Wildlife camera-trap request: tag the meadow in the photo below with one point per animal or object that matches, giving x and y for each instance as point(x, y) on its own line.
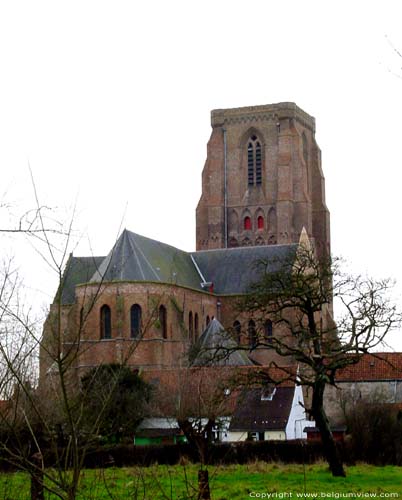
point(234, 482)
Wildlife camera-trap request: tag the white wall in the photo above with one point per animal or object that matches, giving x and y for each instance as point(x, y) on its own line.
point(297, 418)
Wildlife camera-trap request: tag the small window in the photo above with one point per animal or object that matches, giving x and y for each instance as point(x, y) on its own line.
point(260, 222)
point(252, 334)
point(237, 330)
point(196, 326)
point(135, 321)
point(163, 321)
point(105, 322)
point(190, 326)
point(247, 223)
point(268, 331)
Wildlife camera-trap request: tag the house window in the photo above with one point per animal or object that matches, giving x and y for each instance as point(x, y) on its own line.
point(268, 331)
point(163, 321)
point(252, 334)
point(196, 327)
point(190, 326)
point(254, 161)
point(237, 330)
point(135, 321)
point(260, 222)
point(105, 322)
point(247, 223)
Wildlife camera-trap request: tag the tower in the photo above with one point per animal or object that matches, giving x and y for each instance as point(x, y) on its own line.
point(262, 181)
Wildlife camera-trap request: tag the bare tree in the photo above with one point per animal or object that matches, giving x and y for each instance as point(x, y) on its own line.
point(49, 419)
point(291, 307)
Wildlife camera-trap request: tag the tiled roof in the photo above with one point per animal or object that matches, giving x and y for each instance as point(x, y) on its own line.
point(257, 413)
point(378, 366)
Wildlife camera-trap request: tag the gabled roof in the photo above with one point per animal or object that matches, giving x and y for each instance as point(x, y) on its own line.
point(255, 413)
point(137, 258)
point(216, 347)
point(377, 366)
point(234, 270)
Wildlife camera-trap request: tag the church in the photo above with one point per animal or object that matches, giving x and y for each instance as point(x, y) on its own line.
point(146, 302)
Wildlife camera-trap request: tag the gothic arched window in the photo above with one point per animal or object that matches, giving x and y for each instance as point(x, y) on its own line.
point(196, 327)
point(237, 330)
point(254, 161)
point(135, 321)
point(268, 331)
point(260, 222)
point(163, 321)
point(247, 223)
point(252, 334)
point(105, 322)
point(190, 326)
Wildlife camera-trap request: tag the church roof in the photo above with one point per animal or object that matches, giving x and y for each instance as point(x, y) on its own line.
point(233, 270)
point(216, 347)
point(78, 270)
point(137, 258)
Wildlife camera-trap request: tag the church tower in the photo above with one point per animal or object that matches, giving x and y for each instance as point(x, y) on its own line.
point(262, 181)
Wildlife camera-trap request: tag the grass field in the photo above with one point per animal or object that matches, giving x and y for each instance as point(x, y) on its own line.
point(258, 480)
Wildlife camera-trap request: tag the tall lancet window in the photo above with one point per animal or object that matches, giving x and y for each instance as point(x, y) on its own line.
point(254, 161)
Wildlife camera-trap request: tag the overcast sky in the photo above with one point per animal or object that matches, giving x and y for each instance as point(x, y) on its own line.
point(109, 102)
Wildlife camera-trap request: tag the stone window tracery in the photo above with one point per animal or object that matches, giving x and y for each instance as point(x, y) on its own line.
point(254, 161)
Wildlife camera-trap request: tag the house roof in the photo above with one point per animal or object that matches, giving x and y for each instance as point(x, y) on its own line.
point(225, 268)
point(378, 366)
point(254, 413)
point(216, 347)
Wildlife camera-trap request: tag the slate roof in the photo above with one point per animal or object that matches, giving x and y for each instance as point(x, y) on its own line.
point(233, 270)
point(137, 258)
point(382, 366)
point(78, 270)
point(254, 414)
point(216, 347)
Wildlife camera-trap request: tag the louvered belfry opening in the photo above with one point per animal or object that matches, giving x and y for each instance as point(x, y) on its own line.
point(254, 161)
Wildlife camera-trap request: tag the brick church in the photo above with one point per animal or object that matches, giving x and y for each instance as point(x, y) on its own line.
point(146, 302)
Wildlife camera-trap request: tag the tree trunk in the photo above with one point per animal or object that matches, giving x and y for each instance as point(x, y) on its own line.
point(328, 442)
point(203, 485)
point(37, 492)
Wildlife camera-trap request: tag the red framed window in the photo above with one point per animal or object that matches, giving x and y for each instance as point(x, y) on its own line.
point(247, 223)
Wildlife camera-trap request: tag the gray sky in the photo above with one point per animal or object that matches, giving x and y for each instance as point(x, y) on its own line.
point(109, 102)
